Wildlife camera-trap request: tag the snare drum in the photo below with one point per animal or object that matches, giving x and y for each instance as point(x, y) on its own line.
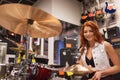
point(39, 73)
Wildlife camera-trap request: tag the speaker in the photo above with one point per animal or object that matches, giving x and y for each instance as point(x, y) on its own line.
point(58, 45)
point(116, 44)
point(113, 32)
point(67, 56)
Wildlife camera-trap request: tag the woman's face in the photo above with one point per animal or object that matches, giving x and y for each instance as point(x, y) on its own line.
point(88, 33)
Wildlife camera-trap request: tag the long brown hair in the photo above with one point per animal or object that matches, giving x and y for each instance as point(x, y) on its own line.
point(97, 35)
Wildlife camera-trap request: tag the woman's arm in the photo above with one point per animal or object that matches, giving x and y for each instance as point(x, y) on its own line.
point(113, 56)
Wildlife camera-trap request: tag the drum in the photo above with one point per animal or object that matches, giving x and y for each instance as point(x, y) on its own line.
point(39, 73)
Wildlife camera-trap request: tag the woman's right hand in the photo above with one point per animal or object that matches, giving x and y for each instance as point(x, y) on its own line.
point(91, 69)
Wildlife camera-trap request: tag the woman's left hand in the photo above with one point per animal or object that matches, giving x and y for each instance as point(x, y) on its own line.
point(97, 75)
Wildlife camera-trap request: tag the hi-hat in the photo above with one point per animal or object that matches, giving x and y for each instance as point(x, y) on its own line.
point(17, 49)
point(21, 49)
point(24, 19)
point(17, 44)
point(79, 69)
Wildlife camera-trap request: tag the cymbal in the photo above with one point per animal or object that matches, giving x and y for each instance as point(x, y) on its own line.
point(17, 49)
point(79, 69)
point(17, 44)
point(21, 49)
point(24, 19)
point(31, 52)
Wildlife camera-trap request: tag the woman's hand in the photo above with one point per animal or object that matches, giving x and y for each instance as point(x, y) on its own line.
point(97, 75)
point(91, 69)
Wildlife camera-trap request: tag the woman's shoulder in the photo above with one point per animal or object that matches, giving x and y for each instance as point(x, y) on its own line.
point(106, 43)
point(108, 46)
point(103, 43)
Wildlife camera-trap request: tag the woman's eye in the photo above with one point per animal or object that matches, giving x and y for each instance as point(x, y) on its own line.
point(85, 31)
point(88, 31)
point(91, 31)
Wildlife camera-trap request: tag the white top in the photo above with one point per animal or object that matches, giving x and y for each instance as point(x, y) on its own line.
point(100, 57)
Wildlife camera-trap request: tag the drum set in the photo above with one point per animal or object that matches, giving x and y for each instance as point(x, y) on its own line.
point(37, 68)
point(29, 21)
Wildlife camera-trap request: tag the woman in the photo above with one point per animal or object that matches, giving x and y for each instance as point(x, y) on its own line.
point(97, 53)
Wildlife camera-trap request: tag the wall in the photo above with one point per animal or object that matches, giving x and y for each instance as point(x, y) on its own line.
point(66, 10)
point(117, 15)
point(45, 5)
point(117, 3)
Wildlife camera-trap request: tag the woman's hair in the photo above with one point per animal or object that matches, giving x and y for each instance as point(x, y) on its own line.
point(97, 35)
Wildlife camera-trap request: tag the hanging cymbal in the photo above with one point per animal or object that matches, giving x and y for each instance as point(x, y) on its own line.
point(17, 49)
point(31, 52)
point(23, 19)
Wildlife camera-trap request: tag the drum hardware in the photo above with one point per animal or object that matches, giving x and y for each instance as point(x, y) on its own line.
point(34, 71)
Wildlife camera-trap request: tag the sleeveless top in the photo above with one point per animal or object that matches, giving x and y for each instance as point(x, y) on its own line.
point(99, 55)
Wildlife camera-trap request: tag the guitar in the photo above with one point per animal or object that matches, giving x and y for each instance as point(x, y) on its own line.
point(83, 15)
point(83, 18)
point(99, 14)
point(91, 16)
point(110, 8)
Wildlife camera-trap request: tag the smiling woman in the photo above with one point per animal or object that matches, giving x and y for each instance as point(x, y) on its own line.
point(98, 54)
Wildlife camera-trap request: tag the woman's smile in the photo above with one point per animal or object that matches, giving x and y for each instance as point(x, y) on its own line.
point(88, 33)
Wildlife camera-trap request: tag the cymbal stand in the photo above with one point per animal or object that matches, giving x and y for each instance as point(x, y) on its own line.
point(19, 71)
point(26, 62)
point(27, 45)
point(22, 67)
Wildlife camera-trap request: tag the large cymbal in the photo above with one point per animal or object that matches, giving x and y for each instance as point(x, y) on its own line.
point(23, 19)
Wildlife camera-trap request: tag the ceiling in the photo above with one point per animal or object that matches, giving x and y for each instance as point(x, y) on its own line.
point(28, 2)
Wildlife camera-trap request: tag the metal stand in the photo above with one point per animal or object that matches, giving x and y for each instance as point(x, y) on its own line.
point(20, 70)
point(24, 65)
